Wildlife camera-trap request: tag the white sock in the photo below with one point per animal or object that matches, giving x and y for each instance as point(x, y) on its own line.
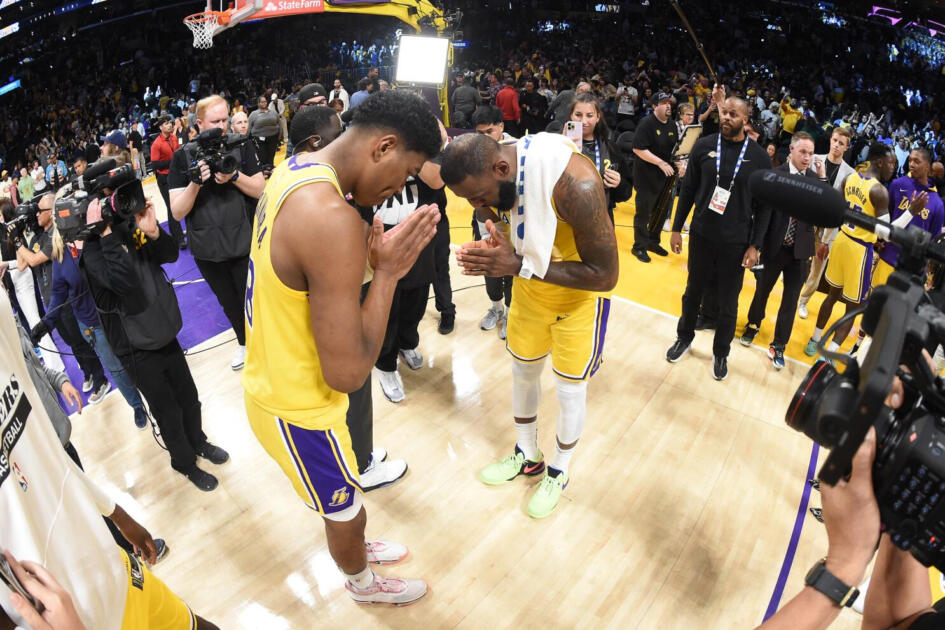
point(818, 333)
point(832, 346)
point(528, 440)
point(498, 305)
point(363, 579)
point(562, 458)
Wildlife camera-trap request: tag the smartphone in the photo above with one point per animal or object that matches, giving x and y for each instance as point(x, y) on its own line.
point(8, 577)
point(573, 131)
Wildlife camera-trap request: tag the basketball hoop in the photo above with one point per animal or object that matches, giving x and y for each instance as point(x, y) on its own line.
point(204, 24)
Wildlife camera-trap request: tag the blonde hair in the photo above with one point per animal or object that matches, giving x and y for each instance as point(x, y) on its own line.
point(686, 108)
point(205, 103)
point(58, 245)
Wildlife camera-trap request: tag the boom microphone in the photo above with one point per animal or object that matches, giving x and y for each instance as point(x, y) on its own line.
point(810, 200)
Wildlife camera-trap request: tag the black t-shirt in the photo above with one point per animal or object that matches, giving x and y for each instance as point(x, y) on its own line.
point(660, 139)
point(42, 244)
point(832, 170)
point(711, 123)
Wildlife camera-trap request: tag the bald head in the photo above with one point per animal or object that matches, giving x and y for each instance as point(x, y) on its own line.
point(740, 104)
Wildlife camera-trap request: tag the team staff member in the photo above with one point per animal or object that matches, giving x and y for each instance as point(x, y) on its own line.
point(906, 196)
point(787, 246)
point(836, 170)
point(850, 265)
point(162, 150)
point(653, 144)
point(52, 512)
point(723, 234)
point(304, 312)
point(218, 227)
point(559, 310)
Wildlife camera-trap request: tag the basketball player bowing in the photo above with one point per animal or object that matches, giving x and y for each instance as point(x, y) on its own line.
point(563, 255)
point(309, 338)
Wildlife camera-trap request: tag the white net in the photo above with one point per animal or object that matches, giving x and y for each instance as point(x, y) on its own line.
point(202, 25)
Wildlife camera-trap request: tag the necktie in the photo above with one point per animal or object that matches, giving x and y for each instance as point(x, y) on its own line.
point(791, 229)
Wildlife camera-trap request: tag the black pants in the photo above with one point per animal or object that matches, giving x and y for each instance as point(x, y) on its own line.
point(112, 528)
point(709, 310)
point(227, 280)
point(172, 224)
point(645, 202)
point(360, 420)
point(406, 311)
point(163, 378)
point(496, 288)
point(784, 262)
point(85, 356)
point(727, 257)
point(442, 289)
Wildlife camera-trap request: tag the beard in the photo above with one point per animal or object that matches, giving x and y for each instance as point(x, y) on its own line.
point(507, 195)
point(731, 130)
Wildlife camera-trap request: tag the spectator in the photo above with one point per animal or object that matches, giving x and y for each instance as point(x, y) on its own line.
point(264, 130)
point(507, 101)
point(463, 102)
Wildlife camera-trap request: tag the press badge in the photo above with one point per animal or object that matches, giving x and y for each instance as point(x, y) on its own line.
point(719, 200)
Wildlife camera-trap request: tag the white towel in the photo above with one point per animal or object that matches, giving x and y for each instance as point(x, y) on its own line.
point(542, 157)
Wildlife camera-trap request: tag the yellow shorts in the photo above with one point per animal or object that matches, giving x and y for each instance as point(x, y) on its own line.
point(850, 267)
point(573, 333)
point(319, 462)
point(150, 605)
point(881, 273)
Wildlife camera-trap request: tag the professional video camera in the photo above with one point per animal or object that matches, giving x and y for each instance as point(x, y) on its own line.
point(24, 218)
point(213, 147)
point(119, 190)
point(836, 409)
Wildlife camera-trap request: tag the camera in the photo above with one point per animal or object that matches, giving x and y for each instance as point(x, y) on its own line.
point(120, 192)
point(836, 409)
point(213, 146)
point(24, 218)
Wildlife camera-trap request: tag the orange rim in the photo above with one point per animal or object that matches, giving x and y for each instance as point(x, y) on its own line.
point(221, 17)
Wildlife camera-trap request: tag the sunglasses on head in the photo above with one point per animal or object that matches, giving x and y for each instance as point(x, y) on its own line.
point(321, 100)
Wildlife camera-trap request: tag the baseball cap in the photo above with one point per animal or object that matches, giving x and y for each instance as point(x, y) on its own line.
point(312, 90)
point(659, 97)
point(118, 139)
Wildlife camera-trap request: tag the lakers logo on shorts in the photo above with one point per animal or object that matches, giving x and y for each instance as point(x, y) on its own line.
point(339, 497)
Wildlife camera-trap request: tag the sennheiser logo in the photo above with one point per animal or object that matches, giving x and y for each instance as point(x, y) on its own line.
point(770, 176)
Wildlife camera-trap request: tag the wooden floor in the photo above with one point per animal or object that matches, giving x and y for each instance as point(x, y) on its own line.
point(683, 495)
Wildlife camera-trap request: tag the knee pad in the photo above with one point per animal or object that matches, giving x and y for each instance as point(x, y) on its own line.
point(526, 388)
point(572, 409)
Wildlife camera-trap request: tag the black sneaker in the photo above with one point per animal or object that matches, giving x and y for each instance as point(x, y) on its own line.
point(659, 251)
point(213, 454)
point(749, 335)
point(704, 324)
point(641, 254)
point(202, 479)
point(677, 350)
point(447, 322)
point(720, 368)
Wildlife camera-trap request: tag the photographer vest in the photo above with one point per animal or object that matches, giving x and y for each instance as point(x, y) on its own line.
point(218, 227)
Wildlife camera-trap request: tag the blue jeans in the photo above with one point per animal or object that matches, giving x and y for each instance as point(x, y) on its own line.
point(96, 337)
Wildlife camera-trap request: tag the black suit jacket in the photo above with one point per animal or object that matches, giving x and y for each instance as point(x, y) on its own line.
point(773, 224)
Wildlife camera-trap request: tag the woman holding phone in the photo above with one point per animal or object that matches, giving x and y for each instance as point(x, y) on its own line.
point(596, 144)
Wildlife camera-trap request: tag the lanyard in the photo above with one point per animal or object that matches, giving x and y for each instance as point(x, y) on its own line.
point(597, 154)
point(718, 160)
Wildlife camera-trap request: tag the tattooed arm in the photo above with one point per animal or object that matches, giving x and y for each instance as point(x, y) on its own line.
point(580, 201)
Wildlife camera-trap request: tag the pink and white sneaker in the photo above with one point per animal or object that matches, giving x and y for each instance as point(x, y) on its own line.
point(384, 552)
point(388, 591)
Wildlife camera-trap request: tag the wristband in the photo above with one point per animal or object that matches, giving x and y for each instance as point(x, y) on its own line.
point(236, 176)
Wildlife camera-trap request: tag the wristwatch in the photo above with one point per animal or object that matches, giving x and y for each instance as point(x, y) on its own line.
point(822, 580)
point(236, 176)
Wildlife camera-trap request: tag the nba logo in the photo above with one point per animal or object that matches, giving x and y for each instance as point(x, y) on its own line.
point(339, 497)
point(20, 477)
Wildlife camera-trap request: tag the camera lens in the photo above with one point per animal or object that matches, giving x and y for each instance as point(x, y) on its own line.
point(821, 405)
point(227, 164)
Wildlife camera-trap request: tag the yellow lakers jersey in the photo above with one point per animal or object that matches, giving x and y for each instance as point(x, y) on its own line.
point(856, 191)
point(283, 373)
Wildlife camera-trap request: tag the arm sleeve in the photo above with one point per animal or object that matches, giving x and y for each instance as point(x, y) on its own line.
point(56, 378)
point(902, 220)
point(60, 291)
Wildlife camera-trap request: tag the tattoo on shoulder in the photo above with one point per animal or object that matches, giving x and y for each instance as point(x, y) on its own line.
point(581, 201)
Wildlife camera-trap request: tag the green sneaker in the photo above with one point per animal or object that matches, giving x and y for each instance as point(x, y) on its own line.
point(546, 497)
point(811, 348)
point(511, 467)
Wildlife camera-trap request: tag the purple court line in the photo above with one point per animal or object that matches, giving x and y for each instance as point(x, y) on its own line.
point(795, 536)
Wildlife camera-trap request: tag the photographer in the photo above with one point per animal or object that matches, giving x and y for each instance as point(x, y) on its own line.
point(218, 224)
point(36, 253)
point(899, 595)
point(141, 318)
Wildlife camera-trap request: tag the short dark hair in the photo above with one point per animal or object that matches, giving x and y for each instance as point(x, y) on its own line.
point(363, 83)
point(878, 150)
point(925, 153)
point(309, 122)
point(404, 113)
point(487, 115)
point(469, 154)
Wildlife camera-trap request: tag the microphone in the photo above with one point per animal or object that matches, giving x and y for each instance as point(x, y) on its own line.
point(93, 171)
point(809, 200)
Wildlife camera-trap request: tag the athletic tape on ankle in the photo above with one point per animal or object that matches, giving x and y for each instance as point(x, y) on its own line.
point(572, 409)
point(526, 388)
